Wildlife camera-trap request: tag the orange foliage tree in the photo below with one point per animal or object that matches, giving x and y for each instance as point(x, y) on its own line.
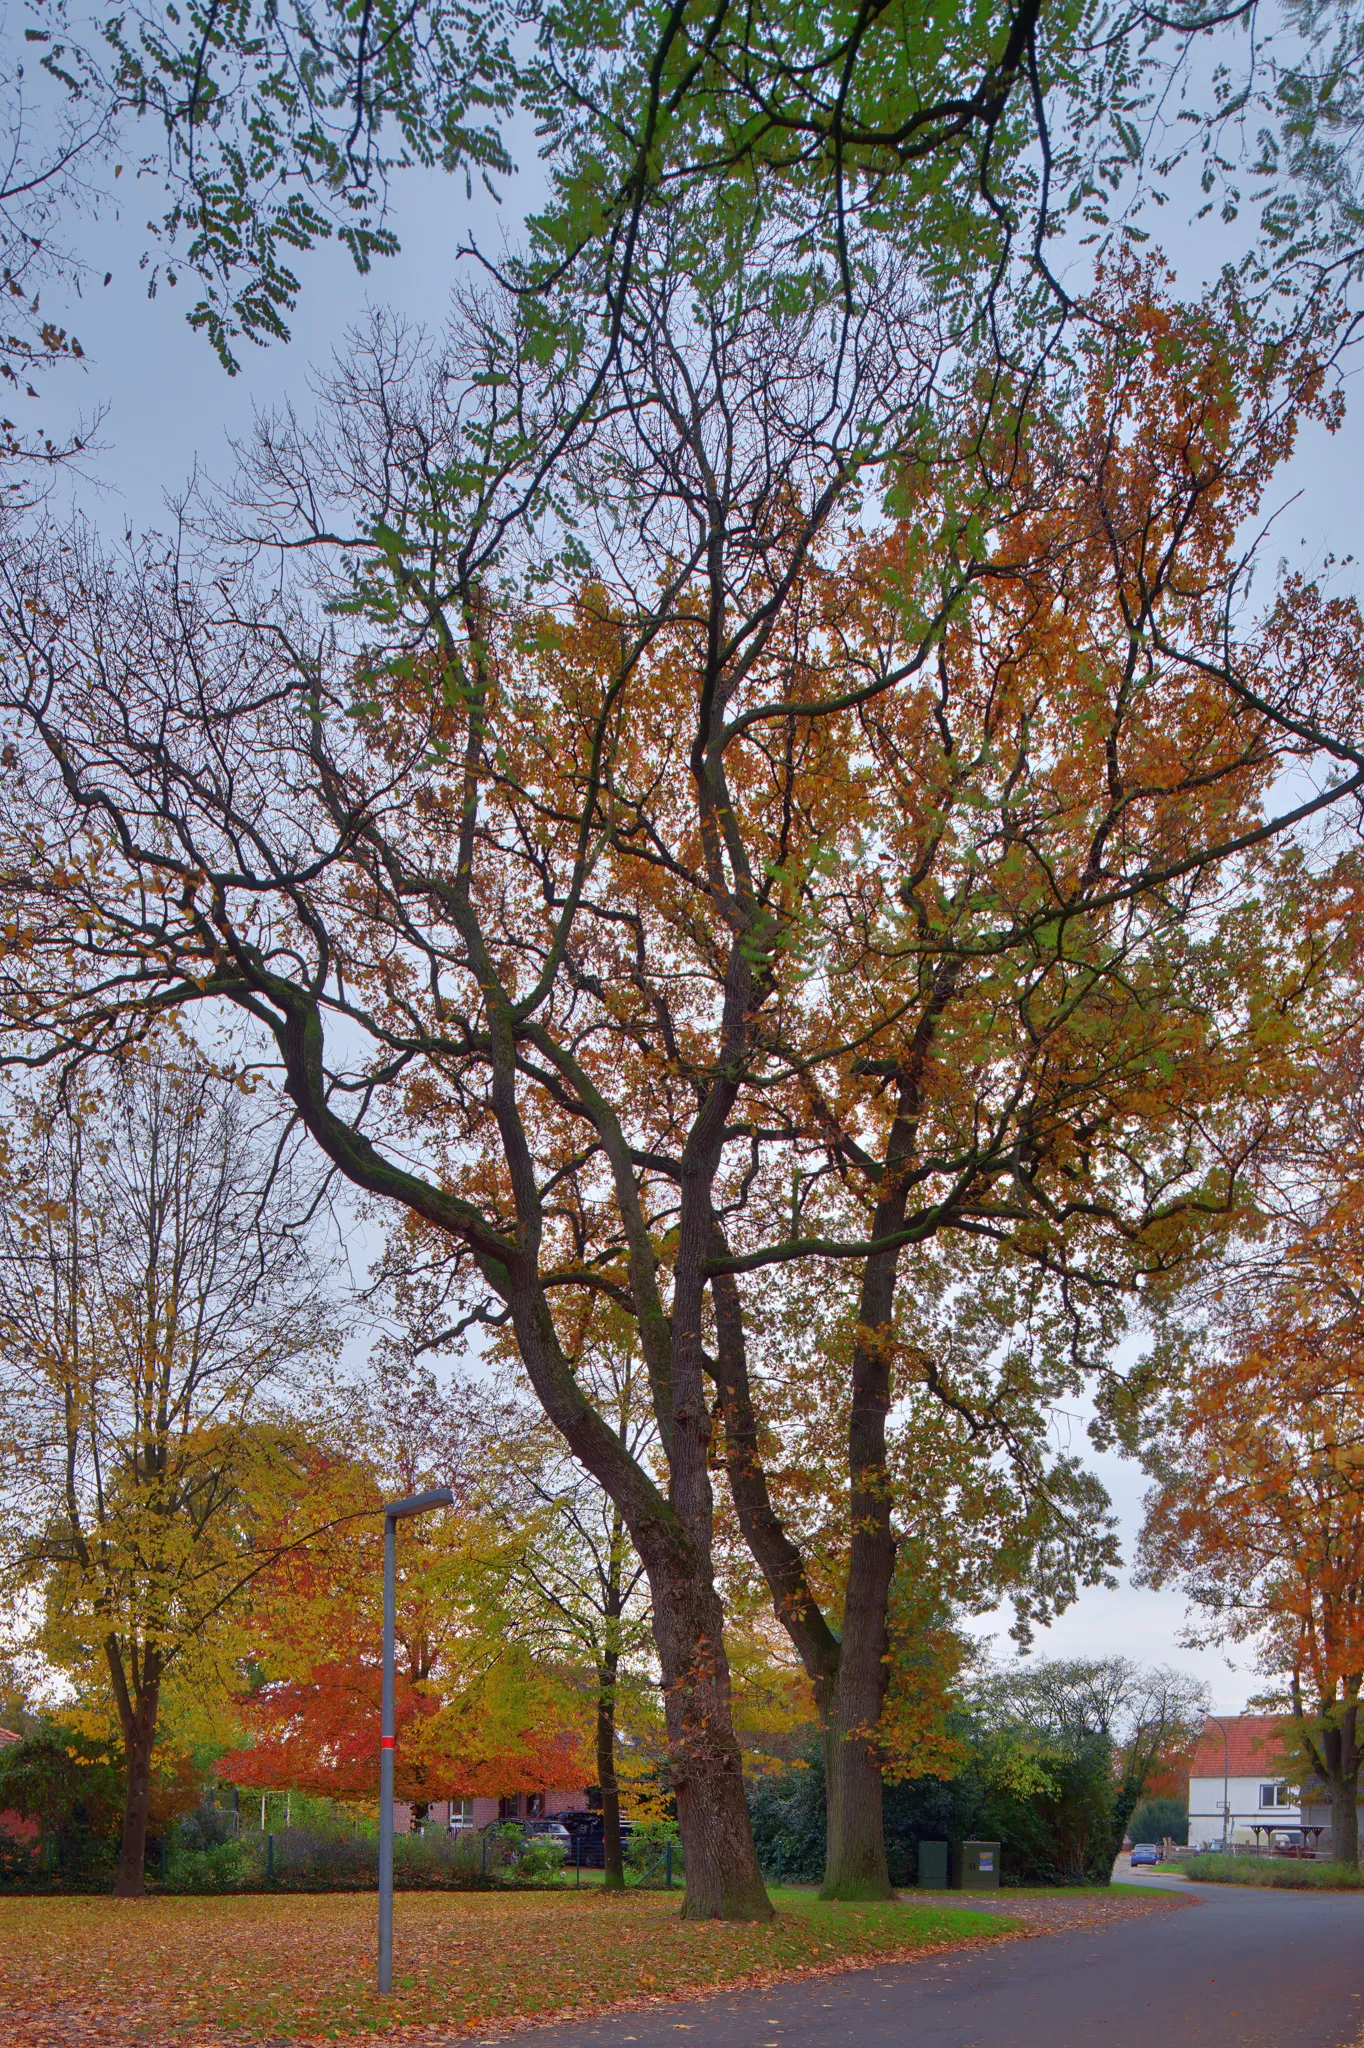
point(1258, 1503)
point(477, 1711)
point(508, 1728)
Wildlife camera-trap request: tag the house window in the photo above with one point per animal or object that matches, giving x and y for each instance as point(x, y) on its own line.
point(535, 1805)
point(461, 1813)
point(1275, 1795)
point(509, 1808)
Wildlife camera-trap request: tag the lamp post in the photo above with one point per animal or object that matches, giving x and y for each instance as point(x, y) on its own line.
point(1226, 1777)
point(396, 1511)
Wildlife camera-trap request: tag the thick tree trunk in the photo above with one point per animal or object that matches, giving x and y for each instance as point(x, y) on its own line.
point(139, 1740)
point(1340, 1753)
point(613, 1864)
point(1345, 1820)
point(723, 1878)
point(673, 1540)
point(724, 1881)
point(782, 1564)
point(855, 1859)
point(849, 1674)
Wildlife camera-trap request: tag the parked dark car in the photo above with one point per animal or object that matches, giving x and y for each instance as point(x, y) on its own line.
point(587, 1838)
point(1145, 1852)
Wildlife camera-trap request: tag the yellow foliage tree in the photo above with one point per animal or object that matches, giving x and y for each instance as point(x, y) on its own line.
point(155, 1304)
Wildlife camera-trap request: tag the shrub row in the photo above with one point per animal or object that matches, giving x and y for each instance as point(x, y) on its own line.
point(204, 1853)
point(1283, 1873)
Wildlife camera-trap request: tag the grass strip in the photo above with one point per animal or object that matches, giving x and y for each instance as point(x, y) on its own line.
point(1282, 1873)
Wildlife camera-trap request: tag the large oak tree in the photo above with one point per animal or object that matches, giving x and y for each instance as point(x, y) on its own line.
point(857, 792)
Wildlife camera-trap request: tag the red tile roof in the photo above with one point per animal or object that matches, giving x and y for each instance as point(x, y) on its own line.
point(1253, 1743)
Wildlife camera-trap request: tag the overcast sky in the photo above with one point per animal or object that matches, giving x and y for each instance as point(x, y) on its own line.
point(1133, 1620)
point(171, 408)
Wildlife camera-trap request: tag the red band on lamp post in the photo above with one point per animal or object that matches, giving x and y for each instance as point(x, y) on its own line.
point(385, 1742)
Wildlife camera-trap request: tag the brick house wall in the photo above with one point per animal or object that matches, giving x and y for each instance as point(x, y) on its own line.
point(517, 1806)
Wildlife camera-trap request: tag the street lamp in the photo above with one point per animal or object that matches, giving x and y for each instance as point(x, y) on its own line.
point(396, 1511)
point(1226, 1778)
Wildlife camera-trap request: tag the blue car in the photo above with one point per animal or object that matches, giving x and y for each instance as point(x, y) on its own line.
point(1145, 1852)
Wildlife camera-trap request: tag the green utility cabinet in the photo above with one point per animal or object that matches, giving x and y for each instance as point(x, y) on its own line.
point(933, 1866)
point(975, 1866)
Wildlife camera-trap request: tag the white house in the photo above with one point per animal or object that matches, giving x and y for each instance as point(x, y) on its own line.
point(1236, 1772)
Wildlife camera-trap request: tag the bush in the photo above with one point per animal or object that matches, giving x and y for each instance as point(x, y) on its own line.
point(1062, 1836)
point(71, 1784)
point(646, 1850)
point(334, 1856)
point(1154, 1819)
point(19, 1860)
point(325, 1857)
point(787, 1812)
point(541, 1861)
point(218, 1868)
point(205, 1852)
point(494, 1849)
point(1281, 1873)
point(321, 1857)
point(207, 1827)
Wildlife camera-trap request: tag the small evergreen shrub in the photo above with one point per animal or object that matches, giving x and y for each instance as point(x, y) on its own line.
point(540, 1862)
point(19, 1859)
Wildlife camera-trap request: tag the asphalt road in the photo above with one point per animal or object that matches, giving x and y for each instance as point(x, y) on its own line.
point(1235, 1969)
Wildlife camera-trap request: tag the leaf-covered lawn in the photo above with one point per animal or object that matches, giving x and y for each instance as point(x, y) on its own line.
point(79, 1972)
